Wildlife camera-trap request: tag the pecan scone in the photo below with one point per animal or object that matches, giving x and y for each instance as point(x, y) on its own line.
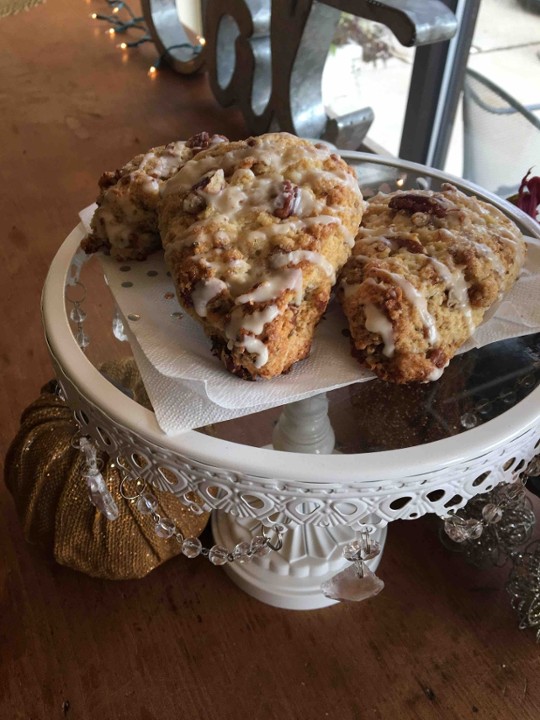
point(425, 268)
point(254, 233)
point(125, 222)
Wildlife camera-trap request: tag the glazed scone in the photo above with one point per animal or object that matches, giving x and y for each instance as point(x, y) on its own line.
point(425, 268)
point(125, 222)
point(254, 233)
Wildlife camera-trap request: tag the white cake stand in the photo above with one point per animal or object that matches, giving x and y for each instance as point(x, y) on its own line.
point(322, 498)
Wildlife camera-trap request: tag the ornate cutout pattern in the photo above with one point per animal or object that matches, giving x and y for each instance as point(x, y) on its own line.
point(281, 500)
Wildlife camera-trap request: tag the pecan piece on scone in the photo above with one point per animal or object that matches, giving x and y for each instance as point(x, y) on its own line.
point(286, 200)
point(415, 203)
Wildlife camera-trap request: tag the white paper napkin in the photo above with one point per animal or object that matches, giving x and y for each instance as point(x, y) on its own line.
point(189, 387)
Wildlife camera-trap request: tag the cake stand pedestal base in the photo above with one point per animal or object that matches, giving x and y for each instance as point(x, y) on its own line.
point(292, 577)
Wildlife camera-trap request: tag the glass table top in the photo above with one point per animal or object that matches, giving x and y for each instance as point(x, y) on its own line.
point(477, 386)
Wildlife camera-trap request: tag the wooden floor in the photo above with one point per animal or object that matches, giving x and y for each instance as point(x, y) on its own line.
point(441, 641)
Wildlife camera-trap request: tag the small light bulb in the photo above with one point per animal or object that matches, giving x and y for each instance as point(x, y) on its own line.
point(116, 10)
point(122, 46)
point(94, 16)
point(152, 70)
point(202, 41)
point(111, 31)
point(399, 182)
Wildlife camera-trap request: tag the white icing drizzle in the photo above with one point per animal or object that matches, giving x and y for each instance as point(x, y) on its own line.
point(458, 289)
point(222, 237)
point(365, 233)
point(150, 185)
point(249, 323)
point(166, 162)
point(348, 236)
point(505, 235)
point(496, 220)
point(229, 201)
point(491, 256)
point(241, 323)
point(217, 140)
point(454, 280)
point(294, 226)
point(190, 174)
point(256, 347)
point(482, 249)
point(373, 235)
point(377, 322)
point(121, 232)
point(269, 231)
point(297, 256)
point(231, 268)
point(436, 373)
point(307, 203)
point(350, 181)
point(273, 287)
point(322, 220)
point(242, 174)
point(418, 301)
point(204, 292)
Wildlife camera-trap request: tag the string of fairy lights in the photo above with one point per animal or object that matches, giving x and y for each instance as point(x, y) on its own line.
point(123, 20)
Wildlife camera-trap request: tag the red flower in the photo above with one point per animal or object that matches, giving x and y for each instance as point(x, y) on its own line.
point(528, 196)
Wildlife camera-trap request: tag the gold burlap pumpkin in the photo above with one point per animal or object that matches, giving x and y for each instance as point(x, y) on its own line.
point(44, 474)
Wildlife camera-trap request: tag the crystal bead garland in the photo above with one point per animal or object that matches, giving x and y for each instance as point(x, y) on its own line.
point(76, 294)
point(192, 547)
point(218, 555)
point(98, 492)
point(506, 520)
point(492, 525)
point(357, 582)
point(241, 552)
point(165, 528)
point(147, 504)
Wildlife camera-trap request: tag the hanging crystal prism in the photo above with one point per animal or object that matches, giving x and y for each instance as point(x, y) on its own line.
point(118, 328)
point(77, 314)
point(357, 582)
point(362, 549)
point(98, 491)
point(83, 341)
point(353, 584)
point(100, 496)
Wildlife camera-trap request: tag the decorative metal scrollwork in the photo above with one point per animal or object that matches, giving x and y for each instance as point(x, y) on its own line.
point(267, 56)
